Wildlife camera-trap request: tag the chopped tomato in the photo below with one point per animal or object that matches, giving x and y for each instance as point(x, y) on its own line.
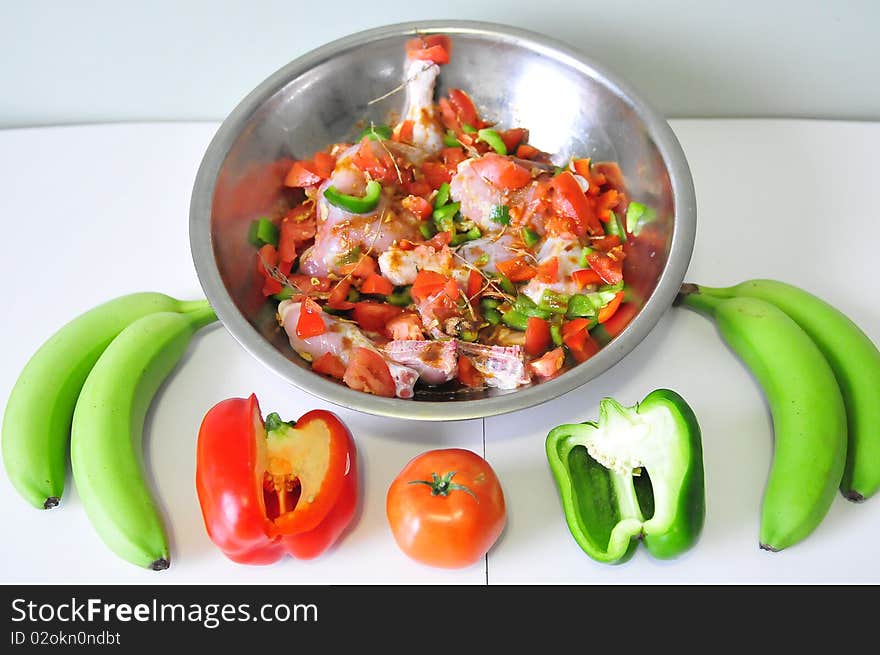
point(452, 157)
point(607, 268)
point(297, 227)
point(449, 116)
point(451, 290)
point(548, 365)
point(581, 345)
point(502, 172)
point(418, 188)
point(615, 324)
point(375, 284)
point(374, 316)
point(361, 269)
point(513, 137)
point(474, 285)
point(426, 284)
point(311, 172)
point(310, 284)
point(605, 203)
point(584, 276)
point(468, 374)
point(405, 327)
point(329, 364)
point(465, 109)
point(548, 271)
point(310, 323)
point(418, 206)
point(525, 151)
point(606, 243)
point(573, 326)
point(517, 269)
point(570, 203)
point(267, 262)
point(380, 168)
point(323, 164)
point(537, 336)
point(404, 132)
point(435, 48)
point(436, 174)
point(367, 371)
point(339, 295)
point(595, 180)
point(611, 308)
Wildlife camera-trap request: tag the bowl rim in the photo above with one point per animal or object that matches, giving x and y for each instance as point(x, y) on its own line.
point(681, 247)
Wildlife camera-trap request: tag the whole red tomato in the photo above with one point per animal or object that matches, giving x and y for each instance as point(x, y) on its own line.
point(446, 508)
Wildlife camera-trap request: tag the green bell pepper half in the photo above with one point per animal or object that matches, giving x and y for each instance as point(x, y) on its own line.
point(635, 474)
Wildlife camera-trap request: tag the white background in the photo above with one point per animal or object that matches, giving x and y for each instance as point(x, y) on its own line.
point(95, 212)
point(104, 60)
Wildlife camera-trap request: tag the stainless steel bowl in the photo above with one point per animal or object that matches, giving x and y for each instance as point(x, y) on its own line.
point(571, 107)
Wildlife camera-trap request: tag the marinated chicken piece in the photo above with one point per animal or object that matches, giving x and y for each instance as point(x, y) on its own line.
point(502, 367)
point(421, 77)
point(340, 339)
point(567, 253)
point(340, 232)
point(401, 267)
point(435, 361)
point(479, 196)
point(486, 252)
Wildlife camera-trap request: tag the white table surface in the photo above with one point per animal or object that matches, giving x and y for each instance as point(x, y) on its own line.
point(93, 212)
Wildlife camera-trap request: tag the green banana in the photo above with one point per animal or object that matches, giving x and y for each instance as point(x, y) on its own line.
point(105, 442)
point(855, 361)
point(36, 422)
point(809, 419)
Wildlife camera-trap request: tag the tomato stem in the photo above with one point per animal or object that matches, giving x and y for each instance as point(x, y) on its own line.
point(441, 486)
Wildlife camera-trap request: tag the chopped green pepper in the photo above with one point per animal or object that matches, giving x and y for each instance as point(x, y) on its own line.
point(636, 474)
point(506, 285)
point(482, 260)
point(525, 305)
point(500, 214)
point(286, 293)
point(530, 237)
point(356, 204)
point(442, 196)
point(586, 251)
point(492, 316)
point(493, 139)
point(376, 132)
point(461, 237)
point(353, 295)
point(490, 303)
point(515, 319)
point(638, 216)
point(468, 335)
point(580, 305)
point(450, 141)
point(399, 297)
point(554, 302)
point(427, 229)
point(263, 231)
point(556, 333)
point(468, 129)
point(349, 256)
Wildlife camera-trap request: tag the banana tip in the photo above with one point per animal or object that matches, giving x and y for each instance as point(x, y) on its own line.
point(160, 564)
point(51, 501)
point(769, 548)
point(854, 496)
point(686, 289)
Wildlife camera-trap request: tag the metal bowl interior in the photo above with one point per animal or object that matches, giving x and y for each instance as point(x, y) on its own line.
point(570, 106)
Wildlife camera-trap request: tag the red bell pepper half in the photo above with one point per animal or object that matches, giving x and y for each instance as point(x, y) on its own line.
point(267, 489)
